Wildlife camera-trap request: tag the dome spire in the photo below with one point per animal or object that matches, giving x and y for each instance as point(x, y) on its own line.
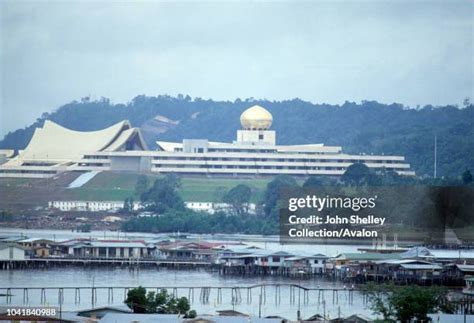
point(256, 118)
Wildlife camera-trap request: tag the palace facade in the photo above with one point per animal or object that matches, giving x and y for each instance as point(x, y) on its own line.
point(54, 149)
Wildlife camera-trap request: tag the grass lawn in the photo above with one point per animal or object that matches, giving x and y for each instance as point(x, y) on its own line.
point(115, 181)
point(118, 186)
point(102, 194)
point(212, 189)
point(115, 186)
point(16, 182)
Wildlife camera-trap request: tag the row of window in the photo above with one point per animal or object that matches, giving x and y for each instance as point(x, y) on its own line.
point(158, 166)
point(68, 203)
point(254, 167)
point(41, 164)
point(250, 159)
point(23, 171)
point(300, 160)
point(95, 157)
point(230, 150)
point(257, 150)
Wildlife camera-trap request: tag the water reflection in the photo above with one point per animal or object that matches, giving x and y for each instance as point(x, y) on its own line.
point(273, 303)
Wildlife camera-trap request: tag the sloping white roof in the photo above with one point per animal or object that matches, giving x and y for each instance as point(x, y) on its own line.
point(54, 143)
point(168, 146)
point(402, 261)
point(422, 267)
point(467, 268)
point(34, 240)
point(124, 137)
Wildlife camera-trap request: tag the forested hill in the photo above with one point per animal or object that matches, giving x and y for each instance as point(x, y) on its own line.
point(368, 127)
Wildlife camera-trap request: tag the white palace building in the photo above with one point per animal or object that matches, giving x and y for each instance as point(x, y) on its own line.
point(54, 149)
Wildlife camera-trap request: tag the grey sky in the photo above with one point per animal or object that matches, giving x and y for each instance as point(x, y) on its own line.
point(398, 51)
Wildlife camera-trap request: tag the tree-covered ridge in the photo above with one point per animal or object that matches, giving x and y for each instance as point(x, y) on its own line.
point(367, 127)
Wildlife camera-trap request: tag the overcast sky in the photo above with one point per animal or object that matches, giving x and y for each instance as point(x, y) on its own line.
point(53, 52)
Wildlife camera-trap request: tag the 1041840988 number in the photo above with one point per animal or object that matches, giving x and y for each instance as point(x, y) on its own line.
point(30, 311)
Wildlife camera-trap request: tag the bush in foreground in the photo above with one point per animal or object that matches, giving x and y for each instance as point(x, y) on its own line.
point(139, 301)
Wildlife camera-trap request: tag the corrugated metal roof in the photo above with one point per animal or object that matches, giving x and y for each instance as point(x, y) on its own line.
point(469, 268)
point(422, 267)
point(453, 254)
point(367, 256)
point(402, 261)
point(33, 240)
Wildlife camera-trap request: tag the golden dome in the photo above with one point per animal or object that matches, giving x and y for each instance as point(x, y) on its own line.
point(256, 118)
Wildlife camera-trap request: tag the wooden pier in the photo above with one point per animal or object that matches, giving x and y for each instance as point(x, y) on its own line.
point(260, 294)
point(235, 294)
point(41, 263)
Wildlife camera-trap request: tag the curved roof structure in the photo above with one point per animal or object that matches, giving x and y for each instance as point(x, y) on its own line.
point(256, 118)
point(54, 142)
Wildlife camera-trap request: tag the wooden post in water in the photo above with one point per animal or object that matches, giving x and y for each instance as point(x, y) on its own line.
point(25, 295)
point(60, 296)
point(77, 296)
point(43, 296)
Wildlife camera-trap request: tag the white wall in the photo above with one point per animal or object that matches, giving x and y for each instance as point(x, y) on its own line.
point(12, 253)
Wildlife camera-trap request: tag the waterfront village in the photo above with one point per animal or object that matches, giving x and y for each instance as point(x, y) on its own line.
point(416, 265)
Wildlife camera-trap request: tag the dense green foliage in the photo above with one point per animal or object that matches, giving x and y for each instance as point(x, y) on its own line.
point(367, 127)
point(239, 198)
point(140, 301)
point(407, 303)
point(273, 195)
point(142, 185)
point(357, 174)
point(200, 222)
point(163, 195)
point(127, 206)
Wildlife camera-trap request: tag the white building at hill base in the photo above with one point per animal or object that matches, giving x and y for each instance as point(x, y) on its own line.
point(54, 149)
